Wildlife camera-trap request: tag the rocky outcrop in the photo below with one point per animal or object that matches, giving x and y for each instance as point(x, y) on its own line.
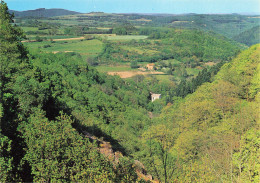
point(106, 149)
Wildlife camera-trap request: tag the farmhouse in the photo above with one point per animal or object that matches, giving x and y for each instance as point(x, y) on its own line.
point(150, 66)
point(155, 96)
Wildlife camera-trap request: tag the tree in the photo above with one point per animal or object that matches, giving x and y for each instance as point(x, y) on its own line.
point(13, 61)
point(159, 140)
point(5, 159)
point(12, 57)
point(38, 39)
point(225, 95)
point(246, 160)
point(56, 152)
point(134, 65)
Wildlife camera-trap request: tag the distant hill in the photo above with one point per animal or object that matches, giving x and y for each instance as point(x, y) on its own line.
point(249, 37)
point(228, 25)
point(42, 12)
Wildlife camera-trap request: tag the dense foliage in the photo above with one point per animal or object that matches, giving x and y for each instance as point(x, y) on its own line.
point(38, 141)
point(204, 129)
point(211, 135)
point(187, 46)
point(249, 37)
point(186, 87)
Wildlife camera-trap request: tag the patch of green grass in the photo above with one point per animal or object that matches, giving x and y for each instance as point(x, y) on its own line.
point(110, 68)
point(172, 61)
point(193, 71)
point(163, 77)
point(139, 50)
point(65, 22)
point(126, 37)
point(33, 37)
point(86, 48)
point(26, 29)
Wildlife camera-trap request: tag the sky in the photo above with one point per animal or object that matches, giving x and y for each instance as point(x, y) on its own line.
point(142, 6)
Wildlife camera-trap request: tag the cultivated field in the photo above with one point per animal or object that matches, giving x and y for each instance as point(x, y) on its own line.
point(86, 48)
point(114, 68)
point(126, 37)
point(129, 74)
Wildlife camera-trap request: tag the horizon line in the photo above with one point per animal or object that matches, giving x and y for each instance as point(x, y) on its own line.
point(240, 13)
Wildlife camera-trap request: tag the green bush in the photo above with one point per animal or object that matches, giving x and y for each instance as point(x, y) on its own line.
point(134, 65)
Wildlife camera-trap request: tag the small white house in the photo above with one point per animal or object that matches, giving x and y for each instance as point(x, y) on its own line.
point(155, 96)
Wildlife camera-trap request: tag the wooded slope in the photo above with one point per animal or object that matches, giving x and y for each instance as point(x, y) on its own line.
point(213, 134)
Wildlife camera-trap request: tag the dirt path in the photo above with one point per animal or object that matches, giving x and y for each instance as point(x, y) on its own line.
point(65, 39)
point(128, 74)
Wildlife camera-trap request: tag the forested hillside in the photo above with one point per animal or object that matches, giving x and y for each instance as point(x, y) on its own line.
point(42, 12)
point(204, 129)
point(249, 37)
point(46, 102)
point(213, 134)
point(189, 46)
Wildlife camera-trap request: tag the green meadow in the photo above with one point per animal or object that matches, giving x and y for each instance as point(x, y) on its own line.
point(126, 37)
point(86, 48)
point(112, 68)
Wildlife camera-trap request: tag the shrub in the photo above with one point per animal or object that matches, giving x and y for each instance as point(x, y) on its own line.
point(46, 46)
point(38, 39)
point(134, 65)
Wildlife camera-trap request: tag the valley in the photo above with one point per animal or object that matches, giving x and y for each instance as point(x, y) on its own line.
point(130, 97)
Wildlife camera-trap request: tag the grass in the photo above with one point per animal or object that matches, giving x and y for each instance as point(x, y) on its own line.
point(33, 37)
point(193, 71)
point(126, 37)
point(66, 22)
point(139, 50)
point(110, 68)
point(86, 48)
point(172, 61)
point(163, 77)
point(26, 29)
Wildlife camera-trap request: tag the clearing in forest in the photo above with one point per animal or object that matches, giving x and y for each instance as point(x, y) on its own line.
point(129, 74)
